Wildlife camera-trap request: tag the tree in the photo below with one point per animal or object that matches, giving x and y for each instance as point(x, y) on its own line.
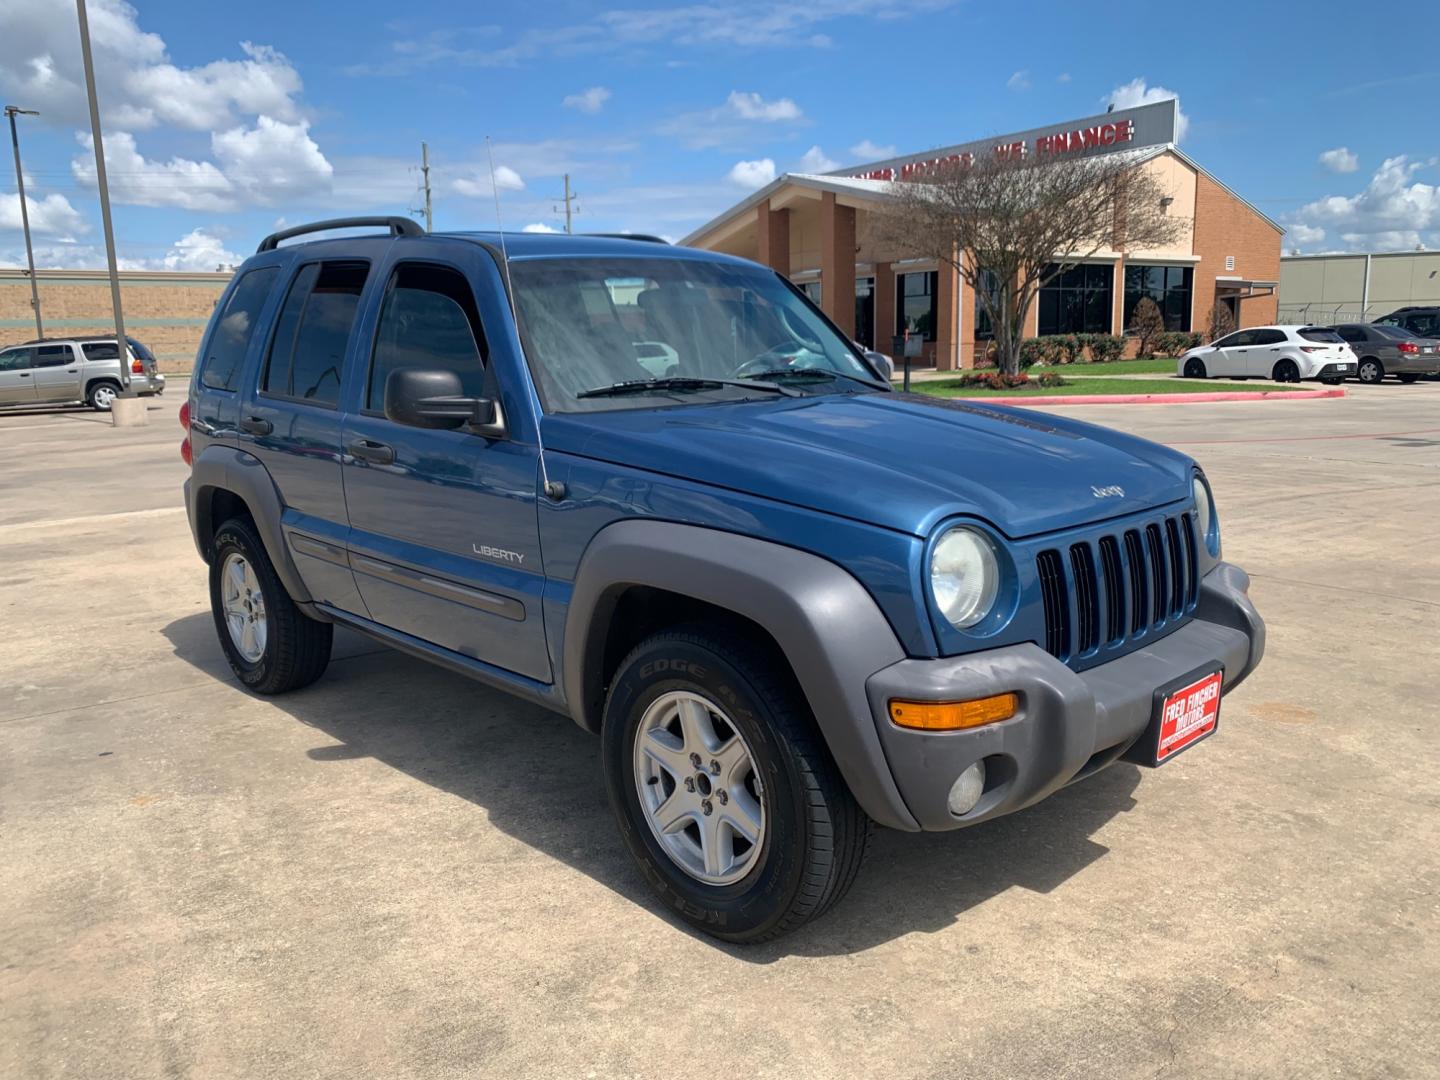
point(1024, 219)
point(1221, 321)
point(1149, 326)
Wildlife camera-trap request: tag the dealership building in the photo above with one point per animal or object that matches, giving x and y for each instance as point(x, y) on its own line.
point(818, 230)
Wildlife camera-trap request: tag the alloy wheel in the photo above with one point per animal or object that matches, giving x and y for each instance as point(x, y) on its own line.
point(244, 606)
point(698, 788)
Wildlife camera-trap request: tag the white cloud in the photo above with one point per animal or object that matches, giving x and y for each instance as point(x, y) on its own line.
point(1305, 234)
point(1340, 160)
point(751, 106)
point(138, 84)
point(479, 186)
point(815, 161)
point(1393, 211)
point(752, 174)
point(539, 227)
point(259, 166)
point(197, 250)
point(587, 101)
point(1063, 77)
point(134, 179)
point(1136, 92)
point(1019, 81)
point(732, 123)
point(865, 150)
point(51, 216)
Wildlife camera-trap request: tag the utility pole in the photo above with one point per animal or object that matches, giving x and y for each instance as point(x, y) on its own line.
point(425, 168)
point(122, 345)
point(13, 111)
point(569, 197)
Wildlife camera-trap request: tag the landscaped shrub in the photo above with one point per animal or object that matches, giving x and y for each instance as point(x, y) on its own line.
point(1033, 351)
point(1106, 347)
point(1176, 342)
point(1148, 325)
point(994, 380)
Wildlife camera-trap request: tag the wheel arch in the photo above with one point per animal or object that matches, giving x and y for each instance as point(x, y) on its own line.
point(817, 616)
point(225, 483)
point(95, 380)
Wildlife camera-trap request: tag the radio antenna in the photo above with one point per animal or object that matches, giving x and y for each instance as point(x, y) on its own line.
point(500, 228)
point(554, 490)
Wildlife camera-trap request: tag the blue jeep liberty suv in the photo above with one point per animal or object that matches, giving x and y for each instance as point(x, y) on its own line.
point(655, 489)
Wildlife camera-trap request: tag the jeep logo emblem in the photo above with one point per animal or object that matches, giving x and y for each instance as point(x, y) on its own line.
point(1114, 491)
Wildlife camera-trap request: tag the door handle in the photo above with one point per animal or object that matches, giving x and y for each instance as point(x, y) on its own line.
point(24, 374)
point(256, 425)
point(374, 452)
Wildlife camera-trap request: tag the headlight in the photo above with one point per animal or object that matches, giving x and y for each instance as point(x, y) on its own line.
point(1205, 517)
point(964, 576)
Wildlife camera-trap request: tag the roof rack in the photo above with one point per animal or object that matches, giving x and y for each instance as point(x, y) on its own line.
point(398, 226)
point(646, 237)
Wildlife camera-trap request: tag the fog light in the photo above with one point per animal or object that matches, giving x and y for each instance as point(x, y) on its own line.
point(966, 791)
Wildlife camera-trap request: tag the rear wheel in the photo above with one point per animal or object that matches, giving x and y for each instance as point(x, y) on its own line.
point(1370, 370)
point(723, 791)
point(102, 396)
point(272, 645)
point(1408, 378)
point(1194, 368)
point(1286, 372)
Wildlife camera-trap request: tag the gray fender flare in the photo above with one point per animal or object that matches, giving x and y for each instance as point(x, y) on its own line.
point(229, 469)
point(831, 630)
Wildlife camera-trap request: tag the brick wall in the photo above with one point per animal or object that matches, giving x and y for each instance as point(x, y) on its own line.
point(1226, 226)
point(168, 312)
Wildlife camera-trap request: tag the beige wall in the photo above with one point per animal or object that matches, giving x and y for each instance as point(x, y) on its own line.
point(168, 312)
point(1331, 288)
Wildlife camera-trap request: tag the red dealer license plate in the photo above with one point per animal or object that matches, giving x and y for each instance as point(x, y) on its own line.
point(1186, 715)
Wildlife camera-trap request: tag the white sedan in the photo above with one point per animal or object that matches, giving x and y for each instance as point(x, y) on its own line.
point(1282, 353)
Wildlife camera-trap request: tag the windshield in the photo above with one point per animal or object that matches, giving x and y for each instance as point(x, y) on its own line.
point(588, 324)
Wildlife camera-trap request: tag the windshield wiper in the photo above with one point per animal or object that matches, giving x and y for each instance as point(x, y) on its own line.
point(640, 386)
point(824, 374)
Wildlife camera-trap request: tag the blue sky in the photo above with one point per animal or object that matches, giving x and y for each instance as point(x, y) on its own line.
point(221, 126)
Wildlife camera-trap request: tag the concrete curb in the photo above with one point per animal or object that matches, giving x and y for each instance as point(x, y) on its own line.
point(1162, 399)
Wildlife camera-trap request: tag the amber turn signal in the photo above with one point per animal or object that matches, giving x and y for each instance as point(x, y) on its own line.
point(953, 715)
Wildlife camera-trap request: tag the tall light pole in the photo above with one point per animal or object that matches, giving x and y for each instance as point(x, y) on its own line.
point(121, 341)
point(12, 111)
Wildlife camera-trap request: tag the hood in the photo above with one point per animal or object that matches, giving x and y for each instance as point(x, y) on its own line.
point(902, 461)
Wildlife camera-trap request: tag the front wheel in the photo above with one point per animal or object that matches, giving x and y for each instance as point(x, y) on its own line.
point(272, 645)
point(1194, 368)
point(1370, 371)
point(723, 792)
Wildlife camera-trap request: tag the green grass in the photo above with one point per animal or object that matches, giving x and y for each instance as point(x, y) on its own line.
point(1161, 365)
point(1087, 387)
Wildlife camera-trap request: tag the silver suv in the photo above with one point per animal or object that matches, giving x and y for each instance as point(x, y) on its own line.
point(57, 371)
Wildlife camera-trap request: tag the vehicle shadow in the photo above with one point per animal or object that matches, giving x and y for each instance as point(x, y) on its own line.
point(78, 411)
point(537, 777)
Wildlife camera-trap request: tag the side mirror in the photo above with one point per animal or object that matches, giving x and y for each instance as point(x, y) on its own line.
point(422, 398)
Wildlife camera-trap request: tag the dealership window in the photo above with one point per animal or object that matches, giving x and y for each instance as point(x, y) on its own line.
point(916, 310)
point(990, 283)
point(1077, 301)
point(1168, 286)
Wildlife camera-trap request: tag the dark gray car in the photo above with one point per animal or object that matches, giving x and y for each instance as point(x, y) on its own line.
point(1390, 350)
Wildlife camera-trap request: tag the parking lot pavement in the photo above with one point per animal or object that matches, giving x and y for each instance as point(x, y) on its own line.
point(400, 873)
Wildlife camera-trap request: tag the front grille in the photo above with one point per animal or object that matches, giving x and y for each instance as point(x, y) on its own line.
point(1113, 588)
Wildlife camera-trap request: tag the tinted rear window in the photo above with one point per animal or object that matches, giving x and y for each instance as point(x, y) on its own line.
point(308, 353)
point(230, 338)
point(1395, 333)
point(100, 350)
point(1319, 333)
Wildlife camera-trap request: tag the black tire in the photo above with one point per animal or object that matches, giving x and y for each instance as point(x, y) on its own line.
point(1195, 368)
point(815, 834)
point(1370, 371)
point(1285, 371)
point(297, 647)
point(1407, 379)
point(96, 397)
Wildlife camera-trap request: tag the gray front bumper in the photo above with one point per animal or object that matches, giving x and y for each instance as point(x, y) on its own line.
point(1070, 724)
